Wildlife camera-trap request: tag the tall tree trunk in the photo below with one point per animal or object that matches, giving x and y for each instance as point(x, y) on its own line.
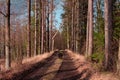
point(7, 38)
point(40, 18)
point(89, 37)
point(36, 28)
point(118, 63)
point(68, 33)
point(72, 27)
point(29, 30)
point(87, 32)
point(42, 29)
point(90, 48)
point(45, 26)
point(48, 28)
point(4, 36)
point(108, 34)
point(51, 25)
point(119, 49)
point(77, 25)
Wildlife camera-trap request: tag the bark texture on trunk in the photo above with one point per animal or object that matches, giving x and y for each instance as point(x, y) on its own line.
point(118, 63)
point(42, 29)
point(29, 30)
point(7, 38)
point(108, 35)
point(36, 28)
point(89, 33)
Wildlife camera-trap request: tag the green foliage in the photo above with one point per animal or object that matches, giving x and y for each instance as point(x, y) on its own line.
point(98, 57)
point(99, 35)
point(116, 25)
point(98, 42)
point(116, 21)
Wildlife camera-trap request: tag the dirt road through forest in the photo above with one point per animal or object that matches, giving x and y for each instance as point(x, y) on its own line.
point(61, 65)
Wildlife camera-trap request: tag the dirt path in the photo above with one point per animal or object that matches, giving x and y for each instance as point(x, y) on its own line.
point(62, 65)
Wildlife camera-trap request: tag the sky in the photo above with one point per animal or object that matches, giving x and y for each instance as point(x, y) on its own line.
point(58, 11)
point(18, 5)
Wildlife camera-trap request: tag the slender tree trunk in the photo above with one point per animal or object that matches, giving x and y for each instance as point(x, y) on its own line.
point(36, 28)
point(67, 34)
point(53, 44)
point(42, 29)
point(4, 36)
point(7, 38)
point(51, 25)
point(48, 30)
point(40, 17)
point(72, 27)
point(45, 26)
point(77, 25)
point(119, 49)
point(89, 35)
point(29, 30)
point(90, 46)
point(118, 64)
point(108, 34)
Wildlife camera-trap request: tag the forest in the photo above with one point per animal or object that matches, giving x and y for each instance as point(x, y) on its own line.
point(51, 39)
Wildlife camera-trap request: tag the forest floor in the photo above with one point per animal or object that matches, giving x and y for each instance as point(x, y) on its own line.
point(58, 65)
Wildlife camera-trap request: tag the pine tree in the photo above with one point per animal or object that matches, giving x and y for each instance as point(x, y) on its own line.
point(29, 30)
point(90, 29)
point(108, 35)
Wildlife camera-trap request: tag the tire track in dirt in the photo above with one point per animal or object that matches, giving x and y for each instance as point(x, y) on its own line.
point(59, 66)
point(73, 69)
point(34, 68)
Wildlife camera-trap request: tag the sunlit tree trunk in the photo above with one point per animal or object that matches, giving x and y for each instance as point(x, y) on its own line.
point(108, 34)
point(67, 34)
point(51, 25)
point(87, 32)
point(7, 38)
point(89, 37)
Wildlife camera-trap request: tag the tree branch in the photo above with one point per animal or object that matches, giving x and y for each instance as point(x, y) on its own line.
point(54, 35)
point(3, 13)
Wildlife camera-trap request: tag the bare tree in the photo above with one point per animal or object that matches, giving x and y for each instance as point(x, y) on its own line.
point(29, 30)
point(51, 24)
point(7, 38)
point(36, 28)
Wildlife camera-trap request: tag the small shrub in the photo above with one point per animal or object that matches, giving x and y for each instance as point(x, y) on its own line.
point(97, 59)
